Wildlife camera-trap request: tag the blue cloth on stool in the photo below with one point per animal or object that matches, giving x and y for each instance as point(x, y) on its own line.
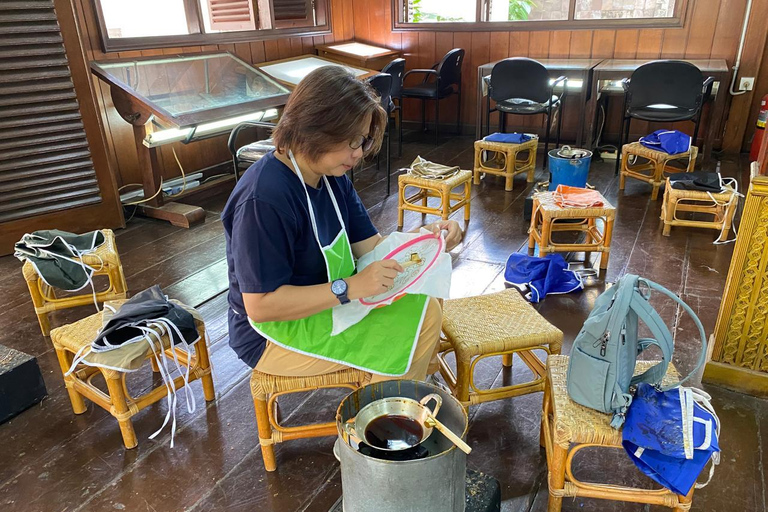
point(671, 142)
point(671, 436)
point(541, 276)
point(508, 138)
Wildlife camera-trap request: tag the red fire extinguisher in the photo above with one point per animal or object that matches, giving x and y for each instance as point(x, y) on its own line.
point(762, 117)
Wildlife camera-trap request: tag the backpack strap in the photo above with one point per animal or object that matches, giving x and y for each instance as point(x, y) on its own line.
point(703, 353)
point(663, 340)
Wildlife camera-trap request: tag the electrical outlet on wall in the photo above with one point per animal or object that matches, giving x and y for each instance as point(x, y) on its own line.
point(746, 83)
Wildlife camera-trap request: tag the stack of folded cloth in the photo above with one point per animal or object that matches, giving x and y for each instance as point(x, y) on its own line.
point(422, 168)
point(575, 197)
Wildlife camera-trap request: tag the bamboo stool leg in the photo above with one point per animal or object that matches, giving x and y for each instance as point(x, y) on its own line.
point(400, 202)
point(658, 174)
point(556, 478)
point(669, 214)
point(686, 501)
point(265, 433)
point(445, 197)
point(545, 411)
point(476, 168)
point(120, 407)
point(65, 362)
point(506, 360)
point(467, 197)
point(39, 302)
point(510, 157)
point(546, 235)
point(204, 362)
point(607, 235)
point(589, 239)
point(532, 229)
point(463, 378)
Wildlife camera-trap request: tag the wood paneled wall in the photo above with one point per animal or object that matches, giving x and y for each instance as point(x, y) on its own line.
point(711, 30)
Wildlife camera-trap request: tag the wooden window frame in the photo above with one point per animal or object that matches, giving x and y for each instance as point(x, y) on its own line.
point(197, 37)
point(399, 25)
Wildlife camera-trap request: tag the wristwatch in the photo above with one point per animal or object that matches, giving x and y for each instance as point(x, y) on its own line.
point(339, 289)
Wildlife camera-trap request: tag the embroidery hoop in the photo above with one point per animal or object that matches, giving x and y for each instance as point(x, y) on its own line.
point(400, 253)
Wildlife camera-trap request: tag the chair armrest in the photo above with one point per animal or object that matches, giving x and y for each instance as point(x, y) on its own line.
point(559, 80)
point(625, 84)
point(231, 142)
point(707, 82)
point(426, 72)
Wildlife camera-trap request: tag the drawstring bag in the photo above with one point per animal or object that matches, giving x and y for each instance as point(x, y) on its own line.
point(508, 138)
point(671, 142)
point(422, 168)
point(672, 435)
point(538, 277)
point(576, 197)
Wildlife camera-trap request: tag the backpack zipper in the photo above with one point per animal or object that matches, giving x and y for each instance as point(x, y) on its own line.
point(603, 342)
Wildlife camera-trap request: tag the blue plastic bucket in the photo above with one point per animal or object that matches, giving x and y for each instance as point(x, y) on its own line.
point(569, 170)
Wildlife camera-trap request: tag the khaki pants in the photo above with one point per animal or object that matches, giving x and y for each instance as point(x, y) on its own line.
point(277, 360)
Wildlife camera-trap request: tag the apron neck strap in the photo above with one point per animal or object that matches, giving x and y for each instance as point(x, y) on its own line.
point(309, 201)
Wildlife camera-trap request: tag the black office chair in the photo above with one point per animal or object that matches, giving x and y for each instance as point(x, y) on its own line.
point(396, 68)
point(663, 91)
point(441, 81)
point(521, 87)
point(252, 152)
point(382, 83)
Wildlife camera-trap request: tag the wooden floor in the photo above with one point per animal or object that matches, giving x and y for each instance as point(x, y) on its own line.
point(52, 460)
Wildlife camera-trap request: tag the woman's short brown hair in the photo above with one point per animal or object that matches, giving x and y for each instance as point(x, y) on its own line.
point(326, 110)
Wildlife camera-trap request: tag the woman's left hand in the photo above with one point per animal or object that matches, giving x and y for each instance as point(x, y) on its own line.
point(454, 236)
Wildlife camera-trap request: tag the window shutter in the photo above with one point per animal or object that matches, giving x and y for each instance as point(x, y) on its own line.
point(231, 15)
point(45, 161)
point(293, 13)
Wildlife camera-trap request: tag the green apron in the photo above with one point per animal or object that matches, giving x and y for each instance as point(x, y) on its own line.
point(383, 342)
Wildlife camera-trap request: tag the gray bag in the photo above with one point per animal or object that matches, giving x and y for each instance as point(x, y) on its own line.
point(602, 362)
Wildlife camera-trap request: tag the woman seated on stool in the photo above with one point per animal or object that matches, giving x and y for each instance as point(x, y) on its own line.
point(294, 228)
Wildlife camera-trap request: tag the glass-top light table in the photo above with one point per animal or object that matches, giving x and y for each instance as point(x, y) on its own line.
point(358, 54)
point(185, 98)
point(290, 71)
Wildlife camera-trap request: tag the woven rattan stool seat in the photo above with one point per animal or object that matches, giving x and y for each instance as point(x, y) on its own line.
point(567, 427)
point(722, 207)
point(266, 389)
point(547, 218)
point(574, 423)
point(69, 339)
point(104, 259)
point(509, 159)
point(653, 165)
point(442, 189)
point(497, 324)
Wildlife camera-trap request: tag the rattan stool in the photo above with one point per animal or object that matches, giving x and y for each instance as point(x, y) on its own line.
point(107, 262)
point(507, 157)
point(434, 188)
point(548, 217)
point(653, 165)
point(69, 339)
point(567, 427)
point(497, 324)
point(721, 206)
point(267, 388)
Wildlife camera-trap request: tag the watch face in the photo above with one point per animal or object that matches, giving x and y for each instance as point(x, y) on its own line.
point(339, 286)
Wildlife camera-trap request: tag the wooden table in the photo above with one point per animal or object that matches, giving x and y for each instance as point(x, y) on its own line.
point(187, 97)
point(290, 71)
point(618, 69)
point(358, 54)
point(574, 69)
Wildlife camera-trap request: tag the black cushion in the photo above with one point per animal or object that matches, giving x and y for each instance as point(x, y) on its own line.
point(525, 107)
point(426, 91)
point(662, 114)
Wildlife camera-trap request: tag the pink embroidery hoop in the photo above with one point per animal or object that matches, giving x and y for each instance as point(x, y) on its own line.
point(398, 251)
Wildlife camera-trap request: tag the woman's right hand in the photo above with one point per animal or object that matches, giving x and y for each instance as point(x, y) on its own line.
point(374, 279)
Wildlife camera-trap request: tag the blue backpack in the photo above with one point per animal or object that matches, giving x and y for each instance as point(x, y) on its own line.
point(602, 363)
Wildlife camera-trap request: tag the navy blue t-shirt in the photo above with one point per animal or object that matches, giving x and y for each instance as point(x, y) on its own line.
point(270, 241)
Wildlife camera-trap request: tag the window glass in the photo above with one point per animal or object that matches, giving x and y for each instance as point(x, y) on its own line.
point(528, 10)
point(434, 11)
point(618, 9)
point(144, 18)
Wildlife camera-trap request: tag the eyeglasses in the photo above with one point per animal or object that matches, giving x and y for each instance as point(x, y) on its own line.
point(361, 141)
